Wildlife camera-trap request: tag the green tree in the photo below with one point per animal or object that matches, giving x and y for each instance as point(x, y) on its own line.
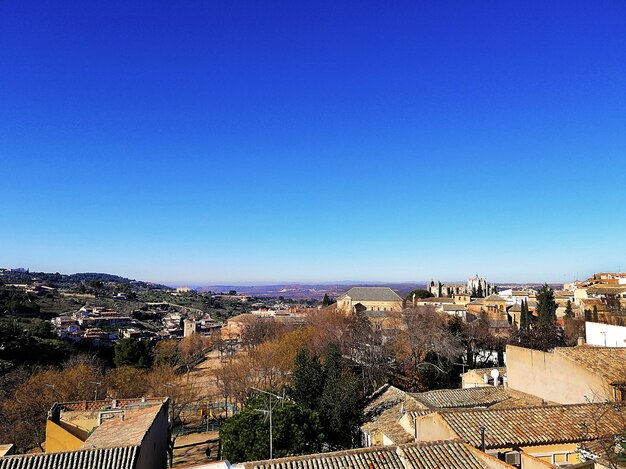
point(595, 313)
point(420, 294)
point(132, 352)
point(295, 430)
point(546, 306)
point(524, 319)
point(326, 301)
point(569, 312)
point(339, 406)
point(308, 379)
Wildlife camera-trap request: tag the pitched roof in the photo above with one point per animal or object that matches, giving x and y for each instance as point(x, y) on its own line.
point(364, 458)
point(534, 425)
point(450, 454)
point(438, 299)
point(606, 289)
point(384, 411)
point(371, 294)
point(129, 430)
point(607, 362)
point(457, 398)
point(494, 297)
point(107, 458)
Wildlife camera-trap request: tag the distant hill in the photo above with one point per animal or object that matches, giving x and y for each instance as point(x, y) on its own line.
point(301, 291)
point(56, 279)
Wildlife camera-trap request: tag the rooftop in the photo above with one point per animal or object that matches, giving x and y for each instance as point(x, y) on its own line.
point(371, 294)
point(607, 362)
point(535, 425)
point(494, 297)
point(606, 289)
point(450, 454)
point(456, 398)
point(107, 458)
point(125, 430)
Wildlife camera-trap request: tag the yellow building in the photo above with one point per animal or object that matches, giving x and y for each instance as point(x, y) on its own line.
point(111, 424)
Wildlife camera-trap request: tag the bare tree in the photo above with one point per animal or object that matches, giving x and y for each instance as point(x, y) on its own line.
point(424, 341)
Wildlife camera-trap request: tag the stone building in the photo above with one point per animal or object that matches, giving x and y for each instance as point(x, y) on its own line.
point(475, 286)
point(369, 299)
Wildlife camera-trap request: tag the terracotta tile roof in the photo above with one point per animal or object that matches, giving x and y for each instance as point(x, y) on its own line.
point(607, 362)
point(494, 297)
point(365, 458)
point(447, 454)
point(423, 455)
point(520, 399)
point(388, 423)
point(108, 458)
point(535, 425)
point(606, 289)
point(386, 397)
point(469, 397)
point(130, 430)
point(441, 299)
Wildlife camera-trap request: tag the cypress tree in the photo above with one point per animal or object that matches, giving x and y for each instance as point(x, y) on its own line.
point(569, 313)
point(546, 306)
point(523, 320)
point(595, 313)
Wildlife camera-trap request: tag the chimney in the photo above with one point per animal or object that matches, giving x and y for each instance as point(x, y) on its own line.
point(581, 340)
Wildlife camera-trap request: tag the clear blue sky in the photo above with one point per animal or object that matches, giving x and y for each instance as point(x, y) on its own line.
point(221, 141)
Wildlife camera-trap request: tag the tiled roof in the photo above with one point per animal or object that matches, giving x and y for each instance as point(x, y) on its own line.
point(494, 297)
point(469, 397)
point(423, 455)
point(501, 370)
point(608, 362)
point(384, 411)
point(606, 289)
point(519, 399)
point(366, 458)
point(516, 308)
point(449, 454)
point(109, 458)
point(440, 299)
point(122, 432)
point(534, 425)
point(371, 294)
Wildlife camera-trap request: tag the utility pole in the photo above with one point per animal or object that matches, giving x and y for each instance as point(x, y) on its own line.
point(269, 413)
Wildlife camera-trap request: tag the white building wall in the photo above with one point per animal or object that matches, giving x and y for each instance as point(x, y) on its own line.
point(605, 335)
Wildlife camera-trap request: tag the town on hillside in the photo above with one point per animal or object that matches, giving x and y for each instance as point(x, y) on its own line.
point(101, 371)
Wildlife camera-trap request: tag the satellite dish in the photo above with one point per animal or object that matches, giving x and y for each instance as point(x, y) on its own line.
point(495, 374)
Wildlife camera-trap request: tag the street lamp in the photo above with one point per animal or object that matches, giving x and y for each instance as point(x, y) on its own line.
point(95, 393)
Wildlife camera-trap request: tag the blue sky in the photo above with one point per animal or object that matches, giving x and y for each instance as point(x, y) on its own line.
point(234, 141)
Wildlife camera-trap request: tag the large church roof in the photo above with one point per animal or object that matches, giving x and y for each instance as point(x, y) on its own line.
point(371, 294)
